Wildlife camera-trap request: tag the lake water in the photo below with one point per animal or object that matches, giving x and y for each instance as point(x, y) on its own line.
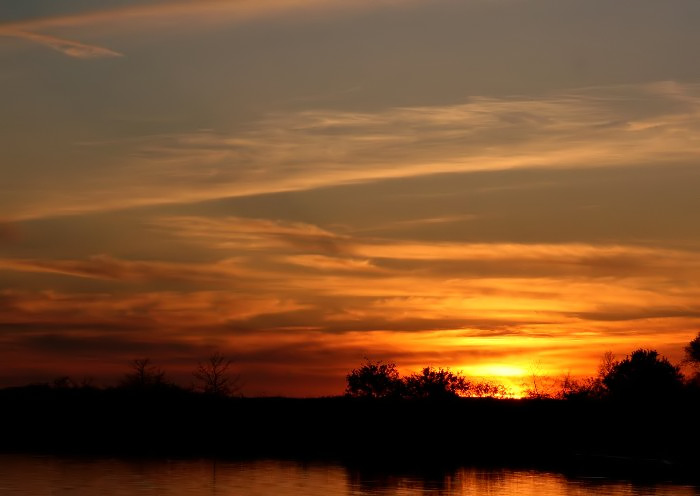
point(54, 476)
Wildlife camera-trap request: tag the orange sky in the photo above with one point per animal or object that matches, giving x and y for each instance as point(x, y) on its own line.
point(497, 187)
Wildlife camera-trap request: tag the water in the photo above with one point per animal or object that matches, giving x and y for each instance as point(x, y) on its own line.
point(53, 476)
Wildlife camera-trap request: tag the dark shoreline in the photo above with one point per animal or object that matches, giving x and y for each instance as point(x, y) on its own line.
point(651, 440)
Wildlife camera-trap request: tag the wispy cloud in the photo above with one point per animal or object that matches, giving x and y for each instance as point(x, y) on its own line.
point(67, 47)
point(346, 282)
point(595, 127)
point(167, 15)
point(326, 263)
point(191, 10)
point(246, 233)
point(460, 284)
point(311, 243)
point(291, 308)
point(109, 268)
point(168, 313)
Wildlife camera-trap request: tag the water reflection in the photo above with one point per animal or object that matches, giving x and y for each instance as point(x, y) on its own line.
point(471, 481)
point(31, 476)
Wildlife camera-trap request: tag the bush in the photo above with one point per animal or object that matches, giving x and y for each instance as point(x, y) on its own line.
point(643, 374)
point(432, 383)
point(374, 380)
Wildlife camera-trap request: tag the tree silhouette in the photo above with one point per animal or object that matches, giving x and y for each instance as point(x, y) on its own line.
point(64, 382)
point(432, 383)
point(692, 351)
point(643, 374)
point(607, 363)
point(373, 380)
point(144, 375)
point(692, 356)
point(486, 389)
point(214, 378)
point(590, 387)
point(539, 386)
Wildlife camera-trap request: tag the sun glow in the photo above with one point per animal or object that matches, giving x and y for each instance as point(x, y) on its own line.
point(511, 376)
point(496, 370)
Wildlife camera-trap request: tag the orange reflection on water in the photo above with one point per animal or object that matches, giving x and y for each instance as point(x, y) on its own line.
point(34, 475)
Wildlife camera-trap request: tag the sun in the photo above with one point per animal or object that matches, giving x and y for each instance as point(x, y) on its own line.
point(496, 370)
point(512, 376)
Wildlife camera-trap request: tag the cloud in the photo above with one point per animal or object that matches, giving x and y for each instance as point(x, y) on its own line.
point(325, 263)
point(346, 282)
point(351, 283)
point(365, 285)
point(167, 314)
point(316, 325)
point(190, 11)
point(616, 126)
point(426, 221)
point(149, 17)
point(109, 268)
point(635, 313)
point(246, 233)
point(67, 47)
point(80, 346)
point(311, 246)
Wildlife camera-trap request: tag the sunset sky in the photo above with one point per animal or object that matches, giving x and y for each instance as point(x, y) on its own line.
point(496, 186)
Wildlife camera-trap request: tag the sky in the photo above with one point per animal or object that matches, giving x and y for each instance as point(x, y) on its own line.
point(502, 187)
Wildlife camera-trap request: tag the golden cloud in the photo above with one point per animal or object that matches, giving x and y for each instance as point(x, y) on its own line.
point(592, 127)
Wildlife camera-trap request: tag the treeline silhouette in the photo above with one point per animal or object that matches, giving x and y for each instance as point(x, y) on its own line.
point(642, 374)
point(212, 377)
point(382, 380)
point(637, 417)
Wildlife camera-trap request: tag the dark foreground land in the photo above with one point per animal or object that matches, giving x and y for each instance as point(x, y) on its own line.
point(651, 439)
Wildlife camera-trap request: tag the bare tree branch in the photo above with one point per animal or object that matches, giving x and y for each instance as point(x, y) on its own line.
point(214, 378)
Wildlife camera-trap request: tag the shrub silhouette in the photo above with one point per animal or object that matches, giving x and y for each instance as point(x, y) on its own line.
point(589, 388)
point(382, 380)
point(374, 380)
point(643, 374)
point(432, 383)
point(486, 389)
